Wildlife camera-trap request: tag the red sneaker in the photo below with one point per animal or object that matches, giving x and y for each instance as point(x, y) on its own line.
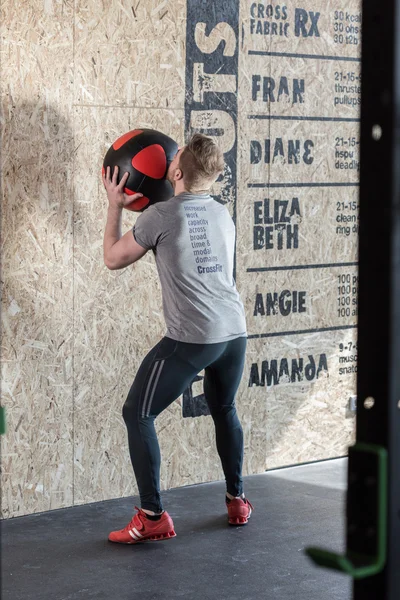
point(239, 511)
point(141, 529)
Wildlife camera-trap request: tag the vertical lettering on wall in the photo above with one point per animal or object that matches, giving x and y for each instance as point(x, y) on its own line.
point(211, 84)
point(212, 33)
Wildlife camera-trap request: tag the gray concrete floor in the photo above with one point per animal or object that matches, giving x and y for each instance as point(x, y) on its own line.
point(65, 555)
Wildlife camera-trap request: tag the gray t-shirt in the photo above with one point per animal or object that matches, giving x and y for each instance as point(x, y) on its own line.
point(193, 239)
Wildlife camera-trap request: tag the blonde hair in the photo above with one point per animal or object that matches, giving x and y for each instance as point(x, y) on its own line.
point(200, 162)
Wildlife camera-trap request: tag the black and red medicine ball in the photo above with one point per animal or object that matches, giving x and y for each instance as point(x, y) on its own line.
point(146, 155)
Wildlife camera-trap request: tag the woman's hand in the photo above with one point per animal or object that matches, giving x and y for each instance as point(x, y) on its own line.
point(115, 191)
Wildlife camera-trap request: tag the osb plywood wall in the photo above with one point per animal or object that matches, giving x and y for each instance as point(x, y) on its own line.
point(279, 86)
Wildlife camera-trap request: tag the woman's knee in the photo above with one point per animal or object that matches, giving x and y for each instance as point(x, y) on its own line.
point(224, 412)
point(129, 414)
point(135, 421)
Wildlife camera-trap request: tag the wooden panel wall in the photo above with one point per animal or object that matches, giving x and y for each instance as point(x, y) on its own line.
point(278, 86)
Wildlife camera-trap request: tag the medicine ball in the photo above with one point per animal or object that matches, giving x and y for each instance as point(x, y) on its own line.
point(146, 155)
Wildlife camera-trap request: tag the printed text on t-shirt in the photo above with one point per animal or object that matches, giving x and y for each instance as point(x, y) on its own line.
point(206, 260)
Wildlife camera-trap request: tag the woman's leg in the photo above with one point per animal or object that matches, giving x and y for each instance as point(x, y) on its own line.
point(222, 379)
point(161, 379)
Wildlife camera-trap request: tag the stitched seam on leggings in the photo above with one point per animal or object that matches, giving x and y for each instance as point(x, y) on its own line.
point(151, 386)
point(149, 382)
point(147, 377)
point(147, 412)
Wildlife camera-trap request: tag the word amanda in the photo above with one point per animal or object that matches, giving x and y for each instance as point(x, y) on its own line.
point(289, 370)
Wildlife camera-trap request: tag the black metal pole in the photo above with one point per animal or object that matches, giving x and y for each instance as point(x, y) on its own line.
point(378, 380)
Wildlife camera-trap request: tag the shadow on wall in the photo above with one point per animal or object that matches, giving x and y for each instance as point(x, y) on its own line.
point(37, 228)
point(37, 303)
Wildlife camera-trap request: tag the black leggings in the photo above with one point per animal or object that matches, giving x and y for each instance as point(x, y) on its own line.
point(165, 373)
